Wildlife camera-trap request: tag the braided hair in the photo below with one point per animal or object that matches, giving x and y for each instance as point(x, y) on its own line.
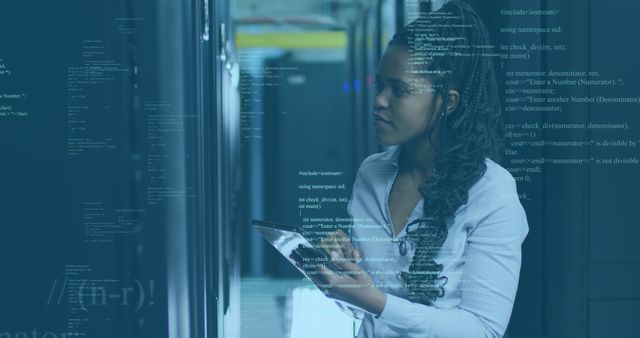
point(451, 48)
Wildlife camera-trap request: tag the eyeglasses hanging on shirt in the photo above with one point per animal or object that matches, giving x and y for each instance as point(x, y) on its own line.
point(402, 241)
point(402, 245)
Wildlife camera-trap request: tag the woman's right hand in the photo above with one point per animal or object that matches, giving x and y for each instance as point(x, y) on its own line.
point(337, 246)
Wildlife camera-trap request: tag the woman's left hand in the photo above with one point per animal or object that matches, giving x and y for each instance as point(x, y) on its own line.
point(352, 285)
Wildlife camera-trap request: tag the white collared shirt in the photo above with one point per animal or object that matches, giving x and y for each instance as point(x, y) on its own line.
point(481, 255)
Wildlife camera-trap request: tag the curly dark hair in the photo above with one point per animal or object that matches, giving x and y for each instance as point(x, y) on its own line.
point(451, 48)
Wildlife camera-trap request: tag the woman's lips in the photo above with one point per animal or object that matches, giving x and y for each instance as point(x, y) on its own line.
point(380, 122)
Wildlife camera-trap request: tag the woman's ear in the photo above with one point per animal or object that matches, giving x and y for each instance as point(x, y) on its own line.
point(453, 98)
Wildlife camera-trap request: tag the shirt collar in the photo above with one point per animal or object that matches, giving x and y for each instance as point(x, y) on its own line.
point(391, 155)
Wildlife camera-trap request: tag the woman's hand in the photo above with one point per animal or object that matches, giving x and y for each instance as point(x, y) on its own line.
point(337, 245)
point(352, 284)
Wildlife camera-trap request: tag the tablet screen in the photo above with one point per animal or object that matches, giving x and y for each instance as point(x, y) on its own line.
point(286, 239)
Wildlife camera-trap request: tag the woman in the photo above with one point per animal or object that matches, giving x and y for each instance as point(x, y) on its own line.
point(437, 223)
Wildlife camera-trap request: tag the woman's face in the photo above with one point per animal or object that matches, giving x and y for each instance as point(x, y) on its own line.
point(405, 103)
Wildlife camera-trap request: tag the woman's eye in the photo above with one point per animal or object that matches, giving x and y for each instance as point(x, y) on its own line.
point(397, 91)
point(378, 86)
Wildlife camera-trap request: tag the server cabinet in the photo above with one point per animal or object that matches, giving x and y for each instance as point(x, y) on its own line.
point(117, 134)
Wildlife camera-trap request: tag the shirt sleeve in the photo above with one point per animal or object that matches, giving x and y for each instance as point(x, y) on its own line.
point(353, 312)
point(489, 283)
point(354, 190)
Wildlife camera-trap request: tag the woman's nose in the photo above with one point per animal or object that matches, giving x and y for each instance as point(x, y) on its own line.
point(381, 100)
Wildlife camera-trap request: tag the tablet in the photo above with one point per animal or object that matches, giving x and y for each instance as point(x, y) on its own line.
point(287, 238)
